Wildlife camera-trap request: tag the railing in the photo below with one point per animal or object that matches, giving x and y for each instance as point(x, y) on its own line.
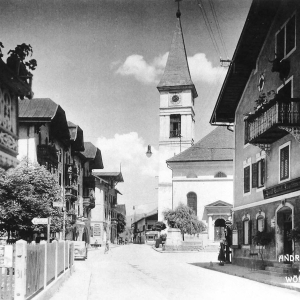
point(267, 120)
point(71, 192)
point(174, 133)
point(89, 202)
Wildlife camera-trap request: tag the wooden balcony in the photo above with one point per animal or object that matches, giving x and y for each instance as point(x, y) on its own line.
point(89, 202)
point(71, 192)
point(272, 121)
point(47, 154)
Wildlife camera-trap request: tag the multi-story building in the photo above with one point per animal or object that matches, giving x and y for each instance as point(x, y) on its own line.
point(12, 87)
point(260, 96)
point(103, 218)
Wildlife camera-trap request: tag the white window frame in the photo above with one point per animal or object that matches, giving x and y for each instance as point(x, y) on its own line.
point(286, 55)
point(279, 148)
point(247, 163)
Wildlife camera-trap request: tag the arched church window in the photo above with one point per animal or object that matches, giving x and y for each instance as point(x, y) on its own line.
point(192, 201)
point(220, 175)
point(175, 126)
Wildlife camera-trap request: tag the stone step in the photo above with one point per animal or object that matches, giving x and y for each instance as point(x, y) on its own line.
point(282, 265)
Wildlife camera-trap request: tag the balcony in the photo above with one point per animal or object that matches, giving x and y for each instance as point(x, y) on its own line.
point(71, 170)
point(47, 154)
point(174, 133)
point(71, 192)
point(273, 121)
point(89, 202)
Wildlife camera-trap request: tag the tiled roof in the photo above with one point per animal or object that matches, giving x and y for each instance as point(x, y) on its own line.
point(177, 73)
point(89, 150)
point(37, 108)
point(219, 203)
point(217, 145)
point(115, 176)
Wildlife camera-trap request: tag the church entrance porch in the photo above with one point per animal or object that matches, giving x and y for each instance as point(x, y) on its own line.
point(219, 230)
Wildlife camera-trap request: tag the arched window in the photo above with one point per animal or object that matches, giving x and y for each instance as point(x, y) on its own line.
point(220, 175)
point(192, 201)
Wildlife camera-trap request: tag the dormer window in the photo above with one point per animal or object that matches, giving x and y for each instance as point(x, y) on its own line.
point(175, 126)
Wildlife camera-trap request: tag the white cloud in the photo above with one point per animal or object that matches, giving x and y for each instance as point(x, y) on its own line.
point(148, 73)
point(201, 69)
point(130, 150)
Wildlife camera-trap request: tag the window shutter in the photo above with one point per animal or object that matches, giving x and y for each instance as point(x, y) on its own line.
point(249, 232)
point(265, 224)
point(254, 175)
point(284, 162)
point(263, 168)
point(247, 179)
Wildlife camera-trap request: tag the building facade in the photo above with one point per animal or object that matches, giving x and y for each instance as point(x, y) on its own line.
point(202, 178)
point(260, 96)
point(176, 114)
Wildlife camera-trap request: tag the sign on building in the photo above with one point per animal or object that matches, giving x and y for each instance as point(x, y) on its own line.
point(97, 230)
point(235, 237)
point(6, 256)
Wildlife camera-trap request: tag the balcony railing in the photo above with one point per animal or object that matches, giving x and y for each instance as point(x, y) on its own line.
point(47, 154)
point(174, 133)
point(266, 125)
point(71, 192)
point(89, 202)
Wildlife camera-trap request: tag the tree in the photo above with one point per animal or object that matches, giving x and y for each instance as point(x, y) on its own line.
point(26, 192)
point(121, 223)
point(184, 218)
point(159, 226)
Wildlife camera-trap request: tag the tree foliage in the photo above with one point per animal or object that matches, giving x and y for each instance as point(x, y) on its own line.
point(184, 218)
point(159, 226)
point(27, 192)
point(121, 223)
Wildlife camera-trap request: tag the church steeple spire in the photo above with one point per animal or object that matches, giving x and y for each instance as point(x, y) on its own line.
point(177, 72)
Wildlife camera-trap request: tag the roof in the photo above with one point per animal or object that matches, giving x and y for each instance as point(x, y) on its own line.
point(217, 145)
point(219, 203)
point(177, 72)
point(45, 110)
point(146, 215)
point(115, 176)
point(254, 33)
point(121, 208)
point(76, 135)
point(93, 154)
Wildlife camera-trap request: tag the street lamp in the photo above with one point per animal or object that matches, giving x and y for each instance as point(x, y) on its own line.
point(149, 153)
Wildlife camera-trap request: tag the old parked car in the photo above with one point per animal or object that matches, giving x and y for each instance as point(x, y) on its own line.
point(80, 250)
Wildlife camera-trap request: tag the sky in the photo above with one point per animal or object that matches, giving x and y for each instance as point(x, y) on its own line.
point(101, 61)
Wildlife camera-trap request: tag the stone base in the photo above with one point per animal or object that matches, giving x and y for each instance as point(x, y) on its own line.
point(174, 238)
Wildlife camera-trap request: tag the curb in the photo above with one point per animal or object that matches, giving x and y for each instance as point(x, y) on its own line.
point(297, 289)
point(196, 251)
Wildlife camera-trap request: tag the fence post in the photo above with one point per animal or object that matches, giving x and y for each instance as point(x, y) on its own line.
point(56, 257)
point(20, 270)
point(45, 268)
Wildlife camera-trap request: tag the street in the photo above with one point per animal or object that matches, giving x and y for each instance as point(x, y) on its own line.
point(139, 272)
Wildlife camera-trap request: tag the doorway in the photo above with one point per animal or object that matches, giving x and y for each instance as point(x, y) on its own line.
point(219, 230)
point(284, 223)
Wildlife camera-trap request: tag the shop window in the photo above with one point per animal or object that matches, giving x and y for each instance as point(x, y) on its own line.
point(284, 155)
point(192, 201)
point(258, 174)
point(175, 126)
point(286, 38)
point(246, 179)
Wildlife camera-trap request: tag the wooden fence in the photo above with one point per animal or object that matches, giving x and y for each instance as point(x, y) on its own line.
point(37, 265)
point(7, 274)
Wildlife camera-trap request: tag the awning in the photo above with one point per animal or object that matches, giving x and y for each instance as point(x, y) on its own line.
point(152, 232)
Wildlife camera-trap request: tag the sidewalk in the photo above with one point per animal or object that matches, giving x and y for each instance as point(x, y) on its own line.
point(247, 273)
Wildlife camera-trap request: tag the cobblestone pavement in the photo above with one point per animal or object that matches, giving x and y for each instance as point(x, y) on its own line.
point(138, 272)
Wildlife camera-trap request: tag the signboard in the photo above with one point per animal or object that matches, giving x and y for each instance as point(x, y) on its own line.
point(6, 256)
point(40, 221)
point(234, 237)
point(58, 204)
point(97, 230)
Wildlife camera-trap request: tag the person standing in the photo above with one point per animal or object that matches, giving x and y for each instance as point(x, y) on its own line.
point(221, 256)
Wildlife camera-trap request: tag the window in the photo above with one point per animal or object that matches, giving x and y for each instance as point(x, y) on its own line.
point(258, 174)
point(175, 126)
point(286, 89)
point(286, 38)
point(260, 223)
point(284, 158)
point(192, 201)
point(247, 179)
point(246, 229)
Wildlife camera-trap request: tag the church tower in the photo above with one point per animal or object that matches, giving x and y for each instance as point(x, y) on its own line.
point(176, 114)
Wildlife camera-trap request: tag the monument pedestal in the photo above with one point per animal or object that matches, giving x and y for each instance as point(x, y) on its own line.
point(174, 239)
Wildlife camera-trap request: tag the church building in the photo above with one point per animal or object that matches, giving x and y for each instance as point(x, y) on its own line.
point(199, 175)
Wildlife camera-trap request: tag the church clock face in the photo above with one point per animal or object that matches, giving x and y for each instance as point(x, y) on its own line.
point(175, 99)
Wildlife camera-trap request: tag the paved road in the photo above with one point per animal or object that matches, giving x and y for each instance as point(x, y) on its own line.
point(138, 272)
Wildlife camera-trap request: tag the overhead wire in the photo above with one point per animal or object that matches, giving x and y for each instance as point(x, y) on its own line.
point(207, 23)
point(218, 26)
